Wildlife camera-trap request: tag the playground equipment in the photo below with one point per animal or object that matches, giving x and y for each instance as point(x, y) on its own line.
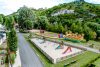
point(68, 49)
point(74, 35)
point(43, 40)
point(60, 46)
point(41, 31)
point(60, 35)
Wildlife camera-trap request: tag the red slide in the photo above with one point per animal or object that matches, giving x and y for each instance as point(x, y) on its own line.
point(69, 48)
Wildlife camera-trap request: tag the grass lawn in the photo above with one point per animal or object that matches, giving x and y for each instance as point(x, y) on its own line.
point(85, 59)
point(97, 63)
point(82, 59)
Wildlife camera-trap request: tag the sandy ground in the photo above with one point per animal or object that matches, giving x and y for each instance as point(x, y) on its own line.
point(50, 48)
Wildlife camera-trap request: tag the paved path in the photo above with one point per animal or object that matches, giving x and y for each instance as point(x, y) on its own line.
point(27, 54)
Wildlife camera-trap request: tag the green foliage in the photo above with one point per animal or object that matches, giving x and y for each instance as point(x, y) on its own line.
point(30, 35)
point(97, 63)
point(7, 59)
point(94, 26)
point(12, 40)
point(12, 57)
point(28, 24)
point(85, 14)
point(98, 34)
point(1, 19)
point(72, 40)
point(23, 31)
point(9, 22)
point(89, 34)
point(42, 21)
point(58, 28)
point(26, 17)
point(85, 59)
point(15, 15)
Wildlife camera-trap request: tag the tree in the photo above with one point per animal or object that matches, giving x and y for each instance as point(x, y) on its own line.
point(28, 24)
point(89, 34)
point(42, 21)
point(73, 27)
point(9, 22)
point(15, 15)
point(1, 19)
point(12, 40)
point(98, 34)
point(26, 16)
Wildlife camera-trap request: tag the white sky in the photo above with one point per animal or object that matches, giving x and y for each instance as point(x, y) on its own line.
point(9, 6)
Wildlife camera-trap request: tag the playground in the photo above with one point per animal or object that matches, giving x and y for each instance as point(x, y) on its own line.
point(55, 52)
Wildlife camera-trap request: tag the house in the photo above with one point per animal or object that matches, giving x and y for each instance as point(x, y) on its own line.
point(65, 11)
point(2, 38)
point(2, 34)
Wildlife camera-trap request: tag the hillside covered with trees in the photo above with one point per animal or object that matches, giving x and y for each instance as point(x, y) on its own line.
point(85, 19)
point(81, 18)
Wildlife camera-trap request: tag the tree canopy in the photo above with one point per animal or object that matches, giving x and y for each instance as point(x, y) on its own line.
point(26, 18)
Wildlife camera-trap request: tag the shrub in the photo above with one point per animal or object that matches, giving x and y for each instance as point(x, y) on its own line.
point(23, 31)
point(6, 59)
point(12, 40)
point(72, 40)
point(12, 57)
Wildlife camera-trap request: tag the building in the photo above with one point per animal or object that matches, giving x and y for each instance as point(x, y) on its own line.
point(2, 38)
point(2, 34)
point(63, 12)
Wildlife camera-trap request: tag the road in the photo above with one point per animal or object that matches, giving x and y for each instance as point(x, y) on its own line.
point(27, 54)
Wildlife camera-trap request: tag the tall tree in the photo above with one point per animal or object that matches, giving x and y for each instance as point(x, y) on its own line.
point(1, 19)
point(42, 21)
point(89, 34)
point(26, 16)
point(9, 22)
point(12, 40)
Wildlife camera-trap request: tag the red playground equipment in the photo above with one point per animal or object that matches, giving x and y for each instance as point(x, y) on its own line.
point(69, 48)
point(41, 31)
point(58, 35)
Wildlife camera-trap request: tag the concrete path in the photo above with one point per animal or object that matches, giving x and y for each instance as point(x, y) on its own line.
point(27, 54)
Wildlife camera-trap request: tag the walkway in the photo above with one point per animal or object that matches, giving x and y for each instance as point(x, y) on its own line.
point(27, 54)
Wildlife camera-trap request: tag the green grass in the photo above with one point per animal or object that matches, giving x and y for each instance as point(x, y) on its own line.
point(86, 59)
point(97, 63)
point(82, 59)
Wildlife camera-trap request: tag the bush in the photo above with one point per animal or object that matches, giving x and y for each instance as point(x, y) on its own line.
point(6, 59)
point(12, 40)
point(23, 31)
point(12, 57)
point(72, 40)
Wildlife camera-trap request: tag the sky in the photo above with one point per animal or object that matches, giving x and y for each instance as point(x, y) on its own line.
point(9, 6)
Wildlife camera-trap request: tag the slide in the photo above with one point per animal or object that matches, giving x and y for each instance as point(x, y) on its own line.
point(58, 47)
point(69, 48)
